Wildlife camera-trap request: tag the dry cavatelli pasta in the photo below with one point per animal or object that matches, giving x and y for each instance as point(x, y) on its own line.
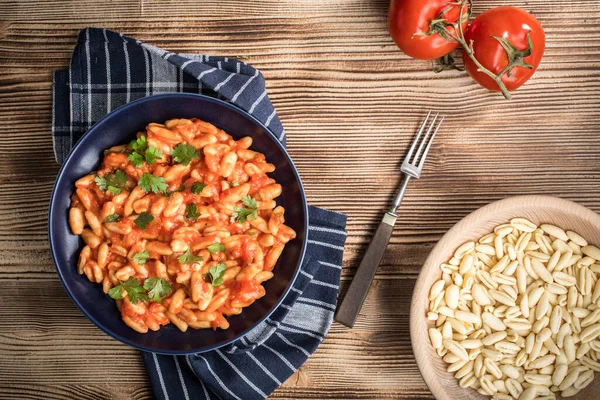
point(517, 313)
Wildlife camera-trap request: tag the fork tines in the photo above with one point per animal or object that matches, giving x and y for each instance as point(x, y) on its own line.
point(430, 128)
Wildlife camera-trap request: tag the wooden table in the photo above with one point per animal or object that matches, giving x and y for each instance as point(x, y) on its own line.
point(350, 101)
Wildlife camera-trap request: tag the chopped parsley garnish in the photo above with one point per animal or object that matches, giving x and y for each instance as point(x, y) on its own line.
point(189, 258)
point(191, 212)
point(142, 151)
point(114, 183)
point(158, 288)
point(184, 153)
point(198, 187)
point(216, 248)
point(112, 218)
point(143, 220)
point(136, 159)
point(248, 213)
point(215, 274)
point(151, 183)
point(139, 145)
point(141, 257)
point(154, 289)
point(135, 292)
point(152, 154)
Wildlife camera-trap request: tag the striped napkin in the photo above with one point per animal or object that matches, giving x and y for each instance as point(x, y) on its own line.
point(108, 70)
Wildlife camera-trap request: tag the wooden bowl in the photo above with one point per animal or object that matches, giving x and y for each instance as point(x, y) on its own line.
point(538, 209)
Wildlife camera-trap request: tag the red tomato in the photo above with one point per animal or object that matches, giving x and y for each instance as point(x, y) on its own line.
point(512, 24)
point(408, 21)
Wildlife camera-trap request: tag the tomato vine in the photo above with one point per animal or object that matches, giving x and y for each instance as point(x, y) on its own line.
point(514, 55)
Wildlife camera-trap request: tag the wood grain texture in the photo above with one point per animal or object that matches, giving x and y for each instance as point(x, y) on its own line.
point(350, 102)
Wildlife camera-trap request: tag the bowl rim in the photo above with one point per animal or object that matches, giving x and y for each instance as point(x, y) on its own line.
point(88, 136)
point(507, 203)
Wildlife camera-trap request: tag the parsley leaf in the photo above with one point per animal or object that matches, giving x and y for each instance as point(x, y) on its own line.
point(215, 274)
point(114, 183)
point(249, 202)
point(198, 187)
point(139, 145)
point(136, 159)
point(135, 292)
point(184, 153)
point(151, 183)
point(112, 218)
point(116, 292)
point(243, 214)
point(101, 182)
point(189, 258)
point(250, 213)
point(141, 151)
point(143, 220)
point(141, 257)
point(157, 288)
point(152, 154)
point(191, 212)
point(216, 247)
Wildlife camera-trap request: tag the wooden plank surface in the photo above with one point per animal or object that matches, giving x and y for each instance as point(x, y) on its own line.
point(350, 102)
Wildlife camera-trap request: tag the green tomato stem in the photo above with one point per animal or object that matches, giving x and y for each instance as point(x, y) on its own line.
point(460, 39)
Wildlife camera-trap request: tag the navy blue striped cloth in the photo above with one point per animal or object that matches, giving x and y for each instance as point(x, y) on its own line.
point(108, 70)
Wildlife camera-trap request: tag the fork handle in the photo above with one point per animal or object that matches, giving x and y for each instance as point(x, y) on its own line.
point(357, 292)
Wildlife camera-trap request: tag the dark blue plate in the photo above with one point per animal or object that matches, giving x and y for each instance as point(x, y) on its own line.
point(120, 127)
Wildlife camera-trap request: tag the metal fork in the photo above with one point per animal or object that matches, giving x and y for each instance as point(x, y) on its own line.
point(411, 168)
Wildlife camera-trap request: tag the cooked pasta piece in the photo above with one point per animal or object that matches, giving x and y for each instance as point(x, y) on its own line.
point(180, 226)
